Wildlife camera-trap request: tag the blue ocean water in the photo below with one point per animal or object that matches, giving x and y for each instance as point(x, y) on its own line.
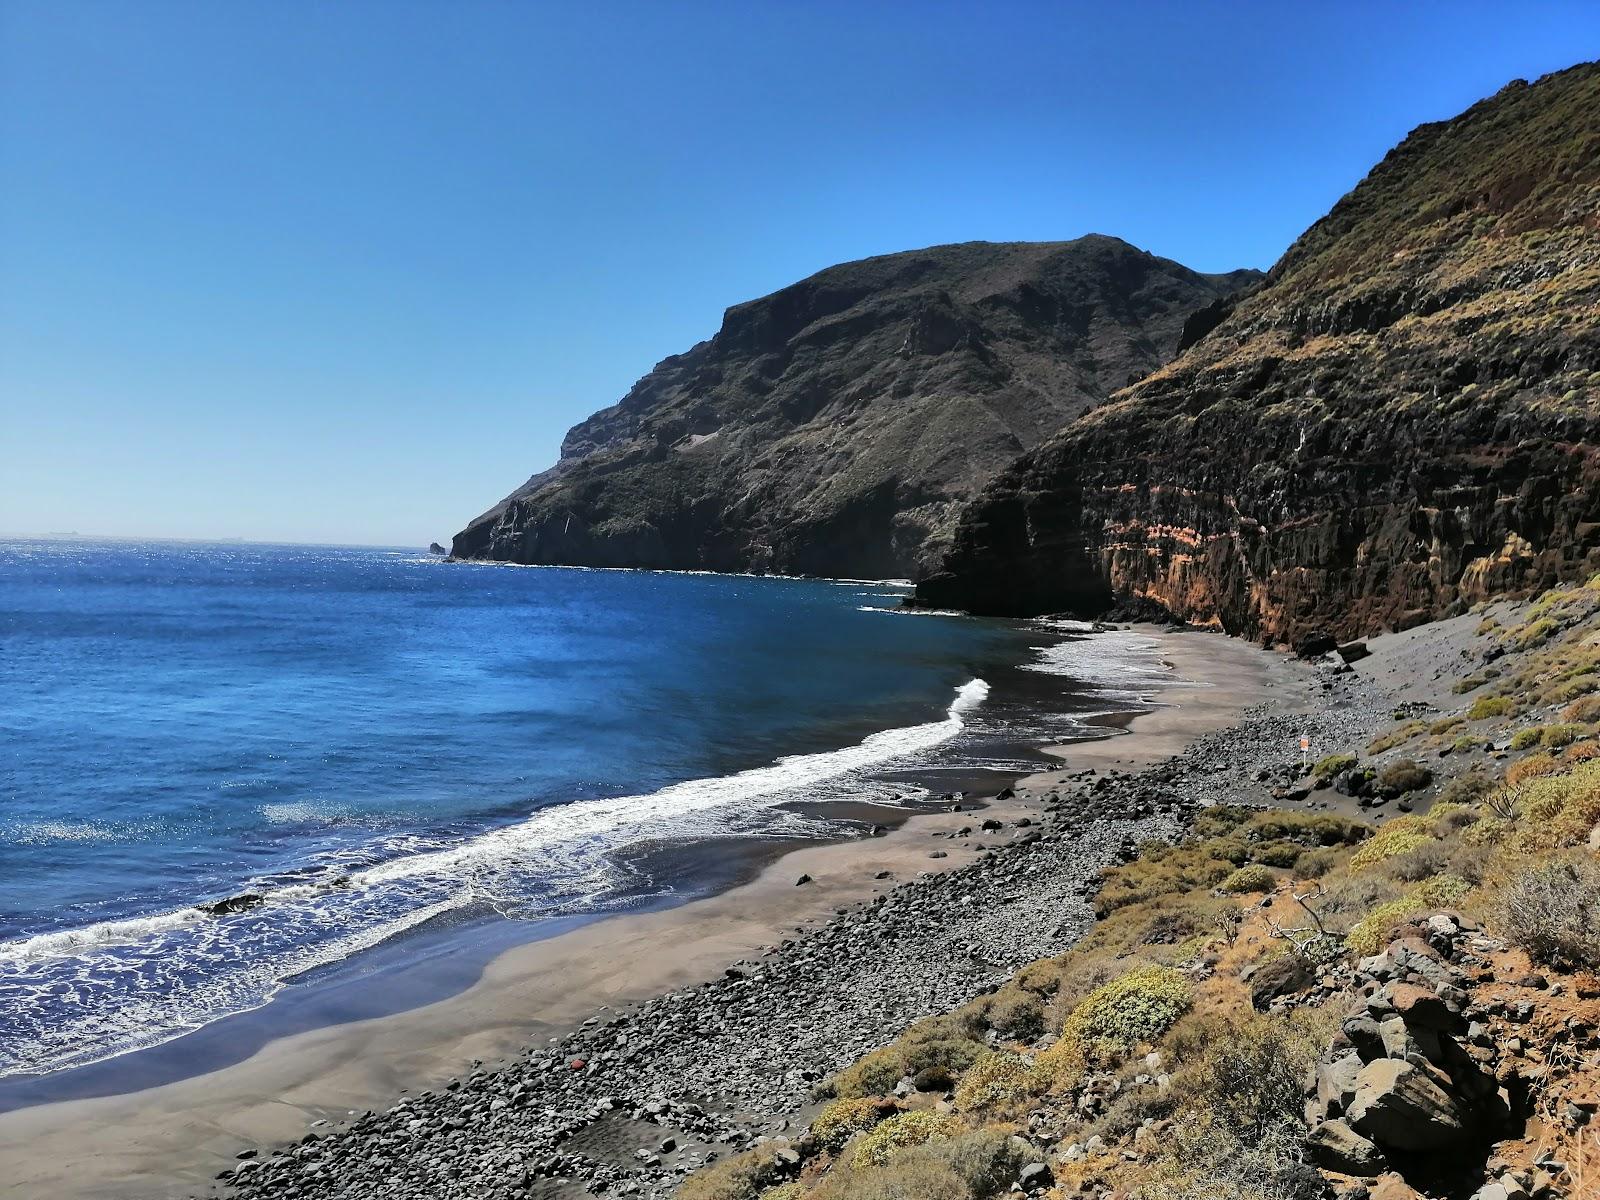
point(349, 743)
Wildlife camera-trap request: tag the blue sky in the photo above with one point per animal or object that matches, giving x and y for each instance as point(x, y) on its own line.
point(348, 271)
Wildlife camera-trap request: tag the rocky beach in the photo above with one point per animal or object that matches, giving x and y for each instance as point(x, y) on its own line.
point(640, 1095)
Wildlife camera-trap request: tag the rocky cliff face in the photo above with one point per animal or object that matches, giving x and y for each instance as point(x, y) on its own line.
point(834, 427)
point(1401, 419)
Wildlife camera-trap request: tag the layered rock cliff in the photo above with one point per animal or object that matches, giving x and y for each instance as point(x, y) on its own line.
point(834, 427)
point(1403, 418)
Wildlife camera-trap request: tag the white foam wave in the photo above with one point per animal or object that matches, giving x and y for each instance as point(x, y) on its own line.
point(302, 812)
point(36, 833)
point(65, 942)
point(121, 985)
point(913, 612)
point(1117, 661)
point(668, 808)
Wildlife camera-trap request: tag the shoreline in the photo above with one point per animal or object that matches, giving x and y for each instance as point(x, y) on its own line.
point(173, 1138)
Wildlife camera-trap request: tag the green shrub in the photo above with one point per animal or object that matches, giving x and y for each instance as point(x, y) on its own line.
point(873, 1074)
point(1307, 829)
point(1554, 737)
point(1523, 738)
point(1330, 766)
point(1442, 891)
point(1445, 725)
point(1485, 707)
point(840, 1120)
point(1372, 931)
point(1465, 743)
point(1553, 912)
point(1399, 836)
point(1535, 632)
point(879, 1144)
point(995, 1081)
point(1250, 879)
point(1117, 1016)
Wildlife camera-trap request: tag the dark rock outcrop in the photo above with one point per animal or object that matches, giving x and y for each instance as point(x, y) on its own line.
point(1401, 419)
point(834, 427)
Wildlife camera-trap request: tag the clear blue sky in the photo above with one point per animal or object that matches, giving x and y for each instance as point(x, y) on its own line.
point(347, 271)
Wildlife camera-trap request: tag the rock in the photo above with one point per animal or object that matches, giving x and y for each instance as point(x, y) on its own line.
point(1036, 1177)
point(1398, 1106)
point(1335, 1083)
point(1336, 1146)
point(1353, 651)
point(1421, 1008)
point(1281, 975)
point(1315, 644)
point(803, 880)
point(1393, 1187)
point(232, 904)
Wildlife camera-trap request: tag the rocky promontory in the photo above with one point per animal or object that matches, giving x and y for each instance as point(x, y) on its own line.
point(833, 427)
point(1401, 420)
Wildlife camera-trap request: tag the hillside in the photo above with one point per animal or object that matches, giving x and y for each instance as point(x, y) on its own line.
point(833, 427)
point(1401, 420)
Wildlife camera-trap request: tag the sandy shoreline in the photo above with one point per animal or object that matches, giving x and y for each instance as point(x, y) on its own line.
point(172, 1139)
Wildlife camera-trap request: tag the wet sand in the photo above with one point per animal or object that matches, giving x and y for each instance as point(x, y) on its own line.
point(170, 1140)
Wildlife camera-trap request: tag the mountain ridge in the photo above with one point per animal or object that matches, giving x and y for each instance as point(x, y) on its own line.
point(832, 427)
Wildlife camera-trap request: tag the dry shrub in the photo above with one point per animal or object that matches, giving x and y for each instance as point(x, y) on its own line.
point(1531, 767)
point(909, 1178)
point(1314, 864)
point(841, 1120)
point(1404, 775)
point(1251, 1071)
point(1249, 879)
point(1351, 898)
point(1553, 912)
point(995, 1081)
point(988, 1161)
point(1586, 710)
point(1418, 864)
point(1016, 1013)
point(738, 1178)
point(889, 1137)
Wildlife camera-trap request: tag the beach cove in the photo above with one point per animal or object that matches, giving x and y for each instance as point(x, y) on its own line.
point(173, 1138)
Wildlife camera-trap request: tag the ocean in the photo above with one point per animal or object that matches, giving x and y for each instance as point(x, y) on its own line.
point(228, 769)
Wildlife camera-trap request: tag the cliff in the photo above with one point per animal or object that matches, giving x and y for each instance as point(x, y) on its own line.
point(834, 427)
point(1399, 420)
